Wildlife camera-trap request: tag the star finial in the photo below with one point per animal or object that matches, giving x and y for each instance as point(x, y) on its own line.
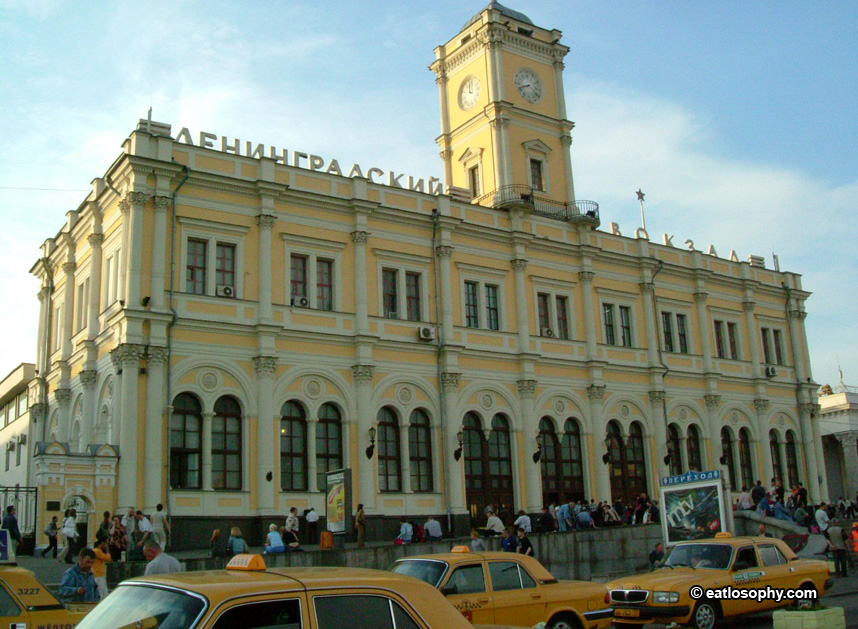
point(640, 195)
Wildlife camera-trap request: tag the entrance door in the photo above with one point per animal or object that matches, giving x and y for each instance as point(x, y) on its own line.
point(82, 507)
point(488, 468)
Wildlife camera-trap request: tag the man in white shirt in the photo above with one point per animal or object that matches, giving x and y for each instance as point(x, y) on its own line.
point(494, 524)
point(145, 528)
point(159, 561)
point(433, 529)
point(822, 519)
point(523, 522)
point(312, 519)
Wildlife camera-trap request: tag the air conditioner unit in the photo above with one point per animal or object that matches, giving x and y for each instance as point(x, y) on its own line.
point(21, 439)
point(426, 333)
point(771, 372)
point(546, 332)
point(10, 446)
point(225, 291)
point(301, 302)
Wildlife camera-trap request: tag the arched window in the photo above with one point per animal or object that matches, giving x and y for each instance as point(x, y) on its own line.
point(792, 459)
point(617, 460)
point(572, 461)
point(500, 457)
point(226, 444)
point(420, 451)
point(293, 447)
point(636, 480)
point(387, 442)
point(693, 444)
point(775, 448)
point(185, 437)
point(727, 451)
point(745, 458)
point(550, 448)
point(329, 443)
point(475, 447)
point(674, 450)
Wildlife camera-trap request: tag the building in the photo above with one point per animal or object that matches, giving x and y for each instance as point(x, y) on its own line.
point(232, 322)
point(838, 422)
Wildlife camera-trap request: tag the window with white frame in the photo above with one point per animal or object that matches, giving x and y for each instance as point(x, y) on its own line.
point(536, 154)
point(82, 305)
point(110, 286)
point(474, 180)
point(403, 282)
point(617, 321)
point(536, 180)
point(552, 310)
point(472, 163)
point(314, 272)
point(57, 326)
point(675, 332)
point(482, 300)
point(726, 339)
point(213, 258)
point(773, 350)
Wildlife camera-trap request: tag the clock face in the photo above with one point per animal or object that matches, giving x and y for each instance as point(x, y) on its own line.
point(529, 85)
point(469, 93)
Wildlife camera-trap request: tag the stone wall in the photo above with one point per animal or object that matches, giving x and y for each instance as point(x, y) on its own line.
point(597, 554)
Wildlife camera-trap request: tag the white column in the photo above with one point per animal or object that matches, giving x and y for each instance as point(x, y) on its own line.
point(602, 485)
point(135, 254)
point(362, 377)
point(683, 452)
point(784, 466)
point(753, 335)
point(159, 252)
point(68, 309)
point(360, 239)
point(446, 153)
point(713, 402)
point(445, 253)
point(566, 141)
point(530, 428)
point(705, 328)
point(404, 455)
point(129, 355)
point(265, 368)
point(44, 308)
point(155, 450)
point(88, 379)
point(95, 241)
point(63, 401)
point(206, 447)
point(519, 266)
point(312, 465)
point(586, 279)
point(455, 484)
point(266, 223)
point(659, 422)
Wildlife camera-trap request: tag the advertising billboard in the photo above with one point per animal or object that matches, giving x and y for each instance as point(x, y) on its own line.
point(338, 500)
point(692, 506)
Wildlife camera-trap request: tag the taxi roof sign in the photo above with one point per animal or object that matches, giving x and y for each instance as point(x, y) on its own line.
point(461, 549)
point(722, 535)
point(247, 562)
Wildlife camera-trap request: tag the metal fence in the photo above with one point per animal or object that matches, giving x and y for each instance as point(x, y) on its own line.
point(25, 501)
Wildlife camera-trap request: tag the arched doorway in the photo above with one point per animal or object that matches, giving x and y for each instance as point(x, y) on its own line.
point(627, 462)
point(488, 466)
point(83, 509)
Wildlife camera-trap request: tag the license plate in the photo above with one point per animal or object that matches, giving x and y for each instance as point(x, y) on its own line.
point(627, 613)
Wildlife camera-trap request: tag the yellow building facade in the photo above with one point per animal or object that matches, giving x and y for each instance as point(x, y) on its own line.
point(235, 321)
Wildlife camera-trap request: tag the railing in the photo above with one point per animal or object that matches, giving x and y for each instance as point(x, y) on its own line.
point(518, 194)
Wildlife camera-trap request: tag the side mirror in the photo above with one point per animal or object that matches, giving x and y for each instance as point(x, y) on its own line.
point(449, 589)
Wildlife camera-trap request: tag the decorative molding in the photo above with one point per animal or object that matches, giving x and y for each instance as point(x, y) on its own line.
point(848, 440)
point(69, 267)
point(209, 381)
point(527, 388)
point(519, 264)
point(95, 240)
point(265, 366)
point(450, 379)
point(128, 354)
point(749, 305)
point(362, 374)
point(266, 221)
point(656, 397)
point(586, 277)
point(157, 356)
point(37, 410)
point(360, 237)
point(647, 287)
point(713, 402)
point(88, 378)
point(444, 251)
point(761, 405)
point(62, 397)
point(809, 408)
point(44, 291)
point(162, 203)
point(596, 392)
point(794, 313)
point(701, 296)
point(499, 123)
point(566, 140)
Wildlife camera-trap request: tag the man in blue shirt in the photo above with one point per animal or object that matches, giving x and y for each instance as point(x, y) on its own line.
point(584, 520)
point(563, 513)
point(10, 523)
point(406, 531)
point(509, 543)
point(78, 582)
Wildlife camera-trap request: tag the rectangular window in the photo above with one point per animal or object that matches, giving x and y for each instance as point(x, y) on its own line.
point(682, 332)
point(544, 314)
point(732, 338)
point(492, 312)
point(472, 308)
point(58, 328)
point(626, 325)
point(719, 339)
point(536, 181)
point(22, 404)
point(298, 279)
point(779, 352)
point(324, 284)
point(109, 272)
point(390, 292)
point(474, 179)
point(767, 350)
point(412, 296)
point(667, 330)
point(225, 265)
point(608, 315)
point(562, 317)
point(195, 271)
point(82, 303)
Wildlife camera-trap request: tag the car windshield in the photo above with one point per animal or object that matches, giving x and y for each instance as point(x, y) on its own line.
point(427, 570)
point(145, 607)
point(711, 556)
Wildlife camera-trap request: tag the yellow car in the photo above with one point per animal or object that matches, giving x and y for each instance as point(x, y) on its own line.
point(26, 602)
point(248, 595)
point(508, 588)
point(741, 575)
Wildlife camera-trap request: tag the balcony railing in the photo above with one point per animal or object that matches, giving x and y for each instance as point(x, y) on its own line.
point(524, 196)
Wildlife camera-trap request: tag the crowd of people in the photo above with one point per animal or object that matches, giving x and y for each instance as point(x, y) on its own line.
point(793, 506)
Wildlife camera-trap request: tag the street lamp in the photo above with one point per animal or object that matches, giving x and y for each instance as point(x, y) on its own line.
point(457, 453)
point(371, 449)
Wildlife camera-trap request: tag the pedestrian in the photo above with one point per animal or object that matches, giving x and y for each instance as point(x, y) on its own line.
point(78, 582)
point(656, 556)
point(217, 544)
point(523, 521)
point(584, 520)
point(854, 537)
point(10, 523)
point(610, 517)
point(524, 545)
point(433, 529)
point(129, 523)
point(99, 569)
point(763, 532)
point(494, 525)
point(822, 519)
point(406, 532)
point(70, 533)
point(117, 543)
point(837, 545)
point(103, 532)
point(360, 526)
point(780, 511)
point(509, 541)
point(312, 519)
point(274, 542)
point(801, 517)
point(144, 530)
point(745, 501)
point(160, 526)
point(291, 528)
point(52, 530)
point(235, 545)
point(802, 495)
point(159, 561)
point(545, 523)
point(758, 493)
point(563, 522)
point(779, 490)
point(477, 543)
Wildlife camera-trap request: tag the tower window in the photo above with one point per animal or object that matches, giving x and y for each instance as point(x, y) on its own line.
point(474, 179)
point(536, 179)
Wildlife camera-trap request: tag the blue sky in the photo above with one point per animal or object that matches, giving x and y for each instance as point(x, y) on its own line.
point(737, 119)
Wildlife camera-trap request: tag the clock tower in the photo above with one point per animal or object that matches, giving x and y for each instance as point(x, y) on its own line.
point(503, 113)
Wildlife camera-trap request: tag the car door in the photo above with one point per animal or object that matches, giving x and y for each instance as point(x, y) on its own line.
point(778, 573)
point(466, 589)
point(516, 597)
point(746, 573)
point(12, 614)
point(283, 613)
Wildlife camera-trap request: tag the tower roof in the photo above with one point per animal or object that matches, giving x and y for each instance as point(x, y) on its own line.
point(497, 6)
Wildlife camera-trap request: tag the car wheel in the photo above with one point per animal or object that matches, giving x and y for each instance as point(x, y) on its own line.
point(806, 602)
point(705, 616)
point(564, 621)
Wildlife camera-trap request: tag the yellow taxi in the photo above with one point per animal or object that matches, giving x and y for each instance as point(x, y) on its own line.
point(248, 595)
point(725, 566)
point(26, 602)
point(495, 587)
